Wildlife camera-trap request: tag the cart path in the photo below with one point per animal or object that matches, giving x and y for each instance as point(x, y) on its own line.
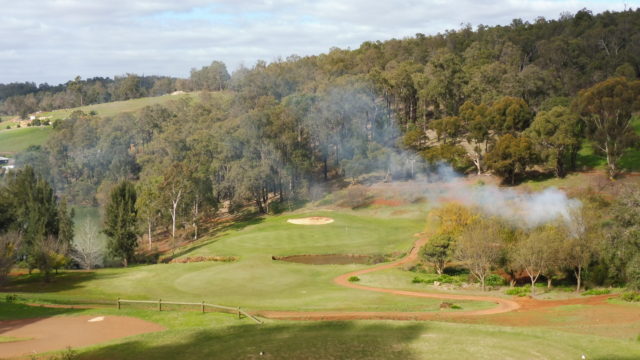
point(502, 305)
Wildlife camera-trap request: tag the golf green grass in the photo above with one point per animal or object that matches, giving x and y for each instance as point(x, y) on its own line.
point(255, 281)
point(16, 140)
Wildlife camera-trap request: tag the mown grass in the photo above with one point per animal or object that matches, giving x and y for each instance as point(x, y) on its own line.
point(222, 336)
point(17, 140)
point(255, 281)
point(191, 335)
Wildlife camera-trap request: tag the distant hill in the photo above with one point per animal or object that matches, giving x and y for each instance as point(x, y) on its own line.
point(15, 140)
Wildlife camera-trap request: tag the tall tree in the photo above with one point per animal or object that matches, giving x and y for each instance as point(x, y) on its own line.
point(557, 134)
point(120, 223)
point(510, 156)
point(581, 246)
point(607, 108)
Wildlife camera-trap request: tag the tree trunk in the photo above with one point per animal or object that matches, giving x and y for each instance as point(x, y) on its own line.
point(125, 262)
point(578, 273)
point(549, 283)
point(149, 233)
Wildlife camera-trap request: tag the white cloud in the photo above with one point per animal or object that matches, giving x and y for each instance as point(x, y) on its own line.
point(54, 40)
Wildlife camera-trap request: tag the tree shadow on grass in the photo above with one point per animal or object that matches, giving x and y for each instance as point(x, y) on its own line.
point(12, 311)
point(63, 281)
point(325, 340)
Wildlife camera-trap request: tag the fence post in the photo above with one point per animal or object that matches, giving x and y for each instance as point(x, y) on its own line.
point(118, 303)
point(238, 312)
point(159, 304)
point(203, 306)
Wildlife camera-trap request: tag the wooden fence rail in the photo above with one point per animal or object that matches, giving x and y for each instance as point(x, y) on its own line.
point(202, 306)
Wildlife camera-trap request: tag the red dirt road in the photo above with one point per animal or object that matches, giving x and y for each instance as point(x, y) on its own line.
point(503, 305)
point(55, 333)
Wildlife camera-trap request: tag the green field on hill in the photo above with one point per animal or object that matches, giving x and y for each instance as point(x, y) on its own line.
point(16, 140)
point(117, 107)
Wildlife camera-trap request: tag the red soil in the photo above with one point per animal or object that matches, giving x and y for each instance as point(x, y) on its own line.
point(55, 333)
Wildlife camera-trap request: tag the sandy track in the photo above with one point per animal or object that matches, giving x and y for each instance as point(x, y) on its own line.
point(55, 333)
point(502, 305)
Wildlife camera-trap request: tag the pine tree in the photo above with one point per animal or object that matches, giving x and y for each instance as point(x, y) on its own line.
point(120, 222)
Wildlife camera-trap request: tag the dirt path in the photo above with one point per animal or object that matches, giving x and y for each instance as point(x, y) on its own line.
point(502, 305)
point(58, 332)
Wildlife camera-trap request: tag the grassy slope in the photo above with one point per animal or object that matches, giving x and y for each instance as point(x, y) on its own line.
point(221, 336)
point(16, 140)
point(116, 107)
point(256, 281)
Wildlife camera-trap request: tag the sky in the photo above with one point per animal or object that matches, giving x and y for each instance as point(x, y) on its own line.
point(55, 40)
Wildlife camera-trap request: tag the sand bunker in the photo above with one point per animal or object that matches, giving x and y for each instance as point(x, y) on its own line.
point(56, 333)
point(314, 220)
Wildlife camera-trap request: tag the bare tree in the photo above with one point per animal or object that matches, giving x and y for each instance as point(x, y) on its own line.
point(480, 247)
point(536, 253)
point(9, 244)
point(582, 244)
point(88, 247)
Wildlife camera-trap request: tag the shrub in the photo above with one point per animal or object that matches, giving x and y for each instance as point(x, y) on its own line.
point(11, 298)
point(596, 292)
point(519, 291)
point(444, 279)
point(354, 279)
point(278, 207)
point(631, 296)
point(456, 307)
point(354, 197)
point(494, 280)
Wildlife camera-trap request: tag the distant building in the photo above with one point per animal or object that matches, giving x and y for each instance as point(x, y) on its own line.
point(4, 161)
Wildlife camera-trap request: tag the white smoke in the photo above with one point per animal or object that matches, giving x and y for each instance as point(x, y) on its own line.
point(519, 207)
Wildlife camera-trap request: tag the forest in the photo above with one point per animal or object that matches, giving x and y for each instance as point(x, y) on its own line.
point(515, 100)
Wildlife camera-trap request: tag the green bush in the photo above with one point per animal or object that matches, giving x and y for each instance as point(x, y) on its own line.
point(277, 207)
point(494, 280)
point(11, 298)
point(519, 291)
point(596, 292)
point(443, 279)
point(456, 307)
point(354, 279)
point(631, 296)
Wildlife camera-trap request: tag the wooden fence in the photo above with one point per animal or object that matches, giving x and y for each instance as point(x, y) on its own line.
point(202, 305)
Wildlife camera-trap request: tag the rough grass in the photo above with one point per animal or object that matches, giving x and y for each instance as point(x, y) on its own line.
point(117, 107)
point(16, 140)
point(7, 339)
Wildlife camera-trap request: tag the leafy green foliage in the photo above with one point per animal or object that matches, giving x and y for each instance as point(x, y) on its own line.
point(631, 296)
point(438, 251)
point(596, 292)
point(120, 223)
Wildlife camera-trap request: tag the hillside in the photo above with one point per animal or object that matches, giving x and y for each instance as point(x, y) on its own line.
point(15, 140)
